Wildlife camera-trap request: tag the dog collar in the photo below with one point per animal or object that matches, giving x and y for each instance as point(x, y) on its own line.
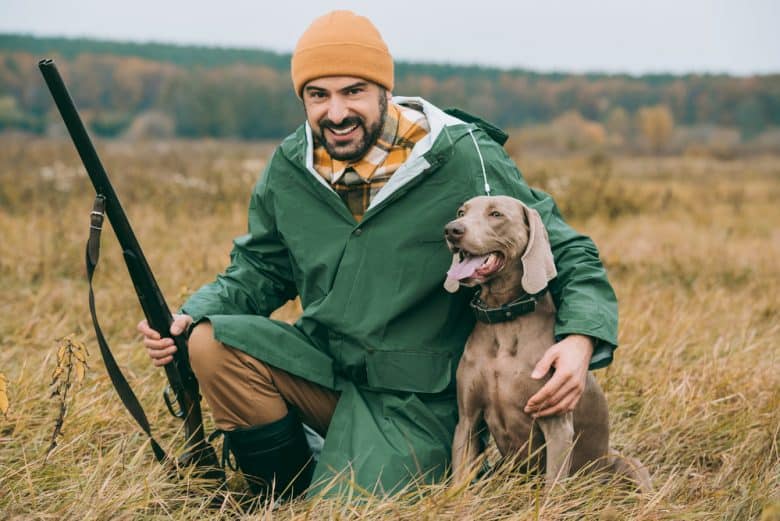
point(506, 312)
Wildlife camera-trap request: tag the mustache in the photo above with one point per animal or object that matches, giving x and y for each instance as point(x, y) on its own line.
point(345, 123)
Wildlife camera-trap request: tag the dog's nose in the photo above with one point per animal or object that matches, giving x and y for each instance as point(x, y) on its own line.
point(454, 230)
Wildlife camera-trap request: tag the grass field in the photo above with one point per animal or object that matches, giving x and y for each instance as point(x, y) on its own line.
point(691, 245)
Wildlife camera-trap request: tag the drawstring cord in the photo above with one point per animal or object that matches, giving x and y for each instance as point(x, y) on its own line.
point(481, 162)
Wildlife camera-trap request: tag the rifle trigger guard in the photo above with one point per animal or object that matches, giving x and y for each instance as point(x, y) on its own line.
point(170, 398)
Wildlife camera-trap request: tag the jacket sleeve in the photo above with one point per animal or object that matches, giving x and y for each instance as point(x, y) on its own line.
point(582, 293)
point(259, 278)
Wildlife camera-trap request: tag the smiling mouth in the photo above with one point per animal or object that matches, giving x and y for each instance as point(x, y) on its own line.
point(467, 265)
point(343, 132)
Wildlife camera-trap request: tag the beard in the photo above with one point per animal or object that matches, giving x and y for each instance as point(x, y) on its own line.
point(355, 149)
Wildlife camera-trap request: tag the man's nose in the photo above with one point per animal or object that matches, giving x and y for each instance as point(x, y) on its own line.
point(337, 110)
point(454, 230)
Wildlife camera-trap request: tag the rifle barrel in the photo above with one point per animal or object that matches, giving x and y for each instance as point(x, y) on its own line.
point(179, 373)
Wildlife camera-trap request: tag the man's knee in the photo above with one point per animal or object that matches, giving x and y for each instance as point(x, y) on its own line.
point(215, 363)
point(238, 388)
point(205, 351)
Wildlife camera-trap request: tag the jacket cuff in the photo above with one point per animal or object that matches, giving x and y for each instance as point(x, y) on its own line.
point(603, 349)
point(602, 354)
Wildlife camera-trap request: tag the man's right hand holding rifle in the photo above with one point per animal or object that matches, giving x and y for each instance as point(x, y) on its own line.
point(161, 350)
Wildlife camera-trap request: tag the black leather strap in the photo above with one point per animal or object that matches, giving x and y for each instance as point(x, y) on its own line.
point(117, 378)
point(510, 311)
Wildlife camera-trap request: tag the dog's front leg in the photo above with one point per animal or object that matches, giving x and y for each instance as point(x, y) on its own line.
point(465, 442)
point(558, 433)
point(465, 450)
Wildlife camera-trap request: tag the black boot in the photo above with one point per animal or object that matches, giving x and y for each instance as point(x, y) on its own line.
point(275, 454)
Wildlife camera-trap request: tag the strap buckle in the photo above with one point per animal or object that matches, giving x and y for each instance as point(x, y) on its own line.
point(97, 213)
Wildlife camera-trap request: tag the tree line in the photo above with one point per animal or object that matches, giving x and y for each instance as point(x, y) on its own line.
point(161, 90)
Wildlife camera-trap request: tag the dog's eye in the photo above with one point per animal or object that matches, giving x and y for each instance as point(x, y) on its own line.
point(496, 214)
point(460, 213)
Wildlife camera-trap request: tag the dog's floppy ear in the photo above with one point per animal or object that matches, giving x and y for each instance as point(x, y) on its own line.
point(537, 260)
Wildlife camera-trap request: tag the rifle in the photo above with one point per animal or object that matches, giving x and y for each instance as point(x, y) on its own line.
point(181, 396)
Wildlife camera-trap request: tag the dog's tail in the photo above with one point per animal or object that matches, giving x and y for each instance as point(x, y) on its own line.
point(632, 470)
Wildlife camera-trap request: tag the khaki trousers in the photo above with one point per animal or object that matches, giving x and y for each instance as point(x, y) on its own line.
point(243, 391)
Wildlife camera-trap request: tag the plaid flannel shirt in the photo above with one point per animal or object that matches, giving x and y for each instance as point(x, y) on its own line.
point(357, 182)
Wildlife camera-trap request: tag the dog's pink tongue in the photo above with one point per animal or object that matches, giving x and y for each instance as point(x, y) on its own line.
point(464, 269)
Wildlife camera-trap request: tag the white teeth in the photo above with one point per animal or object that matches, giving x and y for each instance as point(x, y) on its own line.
point(343, 132)
point(490, 259)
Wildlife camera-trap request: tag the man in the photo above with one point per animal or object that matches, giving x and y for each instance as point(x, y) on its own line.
point(349, 215)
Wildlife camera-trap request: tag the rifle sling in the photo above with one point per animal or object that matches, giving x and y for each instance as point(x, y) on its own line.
point(117, 378)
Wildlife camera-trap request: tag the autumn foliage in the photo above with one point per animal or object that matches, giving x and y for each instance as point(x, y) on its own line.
point(172, 90)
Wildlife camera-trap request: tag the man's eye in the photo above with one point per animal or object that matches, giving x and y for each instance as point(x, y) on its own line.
point(355, 91)
point(496, 214)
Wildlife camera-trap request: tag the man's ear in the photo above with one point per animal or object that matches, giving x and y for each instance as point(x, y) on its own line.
point(537, 259)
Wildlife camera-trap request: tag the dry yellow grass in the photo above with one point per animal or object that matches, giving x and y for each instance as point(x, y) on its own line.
point(692, 247)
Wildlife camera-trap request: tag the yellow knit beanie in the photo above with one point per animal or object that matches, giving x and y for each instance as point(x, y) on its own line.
point(341, 43)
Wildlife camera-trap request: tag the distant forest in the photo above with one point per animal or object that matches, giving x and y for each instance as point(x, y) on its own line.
point(164, 90)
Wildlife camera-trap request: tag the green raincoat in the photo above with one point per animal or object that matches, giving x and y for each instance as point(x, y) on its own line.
point(377, 324)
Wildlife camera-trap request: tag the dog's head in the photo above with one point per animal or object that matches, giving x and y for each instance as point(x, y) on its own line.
point(498, 238)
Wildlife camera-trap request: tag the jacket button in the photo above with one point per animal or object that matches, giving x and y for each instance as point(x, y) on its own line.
point(358, 232)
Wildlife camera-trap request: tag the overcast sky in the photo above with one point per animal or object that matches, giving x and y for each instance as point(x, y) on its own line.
point(634, 36)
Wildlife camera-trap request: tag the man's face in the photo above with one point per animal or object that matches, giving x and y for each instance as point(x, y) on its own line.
point(346, 114)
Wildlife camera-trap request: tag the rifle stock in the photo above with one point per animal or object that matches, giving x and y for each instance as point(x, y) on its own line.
point(184, 399)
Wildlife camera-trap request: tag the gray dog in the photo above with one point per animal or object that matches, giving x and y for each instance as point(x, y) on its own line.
point(501, 245)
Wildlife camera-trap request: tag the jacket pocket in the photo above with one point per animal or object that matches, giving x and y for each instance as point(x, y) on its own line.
point(410, 371)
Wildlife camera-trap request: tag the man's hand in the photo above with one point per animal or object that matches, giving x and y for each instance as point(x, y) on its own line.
point(570, 357)
point(161, 349)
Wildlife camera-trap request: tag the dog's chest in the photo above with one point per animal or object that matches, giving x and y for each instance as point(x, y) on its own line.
point(500, 361)
point(521, 341)
point(496, 342)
